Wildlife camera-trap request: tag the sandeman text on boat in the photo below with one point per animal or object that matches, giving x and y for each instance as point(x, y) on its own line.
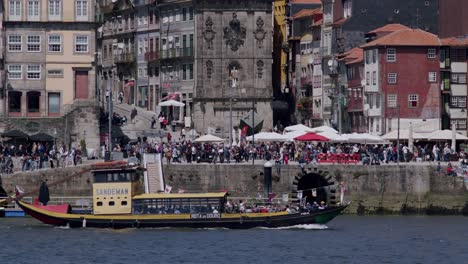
point(112, 191)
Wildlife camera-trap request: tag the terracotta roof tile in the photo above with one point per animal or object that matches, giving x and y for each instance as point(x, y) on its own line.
point(454, 42)
point(318, 22)
point(307, 13)
point(389, 28)
point(352, 56)
point(406, 37)
point(340, 21)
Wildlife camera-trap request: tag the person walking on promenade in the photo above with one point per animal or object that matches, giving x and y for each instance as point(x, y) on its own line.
point(435, 151)
point(133, 114)
point(153, 121)
point(121, 97)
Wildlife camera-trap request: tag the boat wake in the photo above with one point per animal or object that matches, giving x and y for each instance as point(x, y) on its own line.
point(303, 227)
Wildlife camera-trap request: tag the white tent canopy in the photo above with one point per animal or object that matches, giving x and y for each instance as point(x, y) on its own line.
point(299, 127)
point(363, 138)
point(404, 135)
point(333, 136)
point(268, 137)
point(171, 103)
point(445, 135)
point(208, 138)
point(324, 129)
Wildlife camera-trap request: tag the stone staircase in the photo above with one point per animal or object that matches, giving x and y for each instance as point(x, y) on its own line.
point(154, 178)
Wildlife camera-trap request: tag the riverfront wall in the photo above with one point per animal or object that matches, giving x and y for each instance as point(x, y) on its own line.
point(408, 188)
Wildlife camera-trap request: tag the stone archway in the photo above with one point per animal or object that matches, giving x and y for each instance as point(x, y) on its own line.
point(321, 181)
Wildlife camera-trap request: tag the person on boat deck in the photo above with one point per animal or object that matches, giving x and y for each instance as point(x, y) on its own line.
point(315, 206)
point(214, 210)
point(288, 209)
point(322, 205)
point(242, 207)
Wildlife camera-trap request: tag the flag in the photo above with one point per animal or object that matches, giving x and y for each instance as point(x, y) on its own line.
point(181, 191)
point(314, 192)
point(19, 190)
point(168, 189)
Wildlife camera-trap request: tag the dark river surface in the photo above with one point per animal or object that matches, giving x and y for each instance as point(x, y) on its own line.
point(347, 239)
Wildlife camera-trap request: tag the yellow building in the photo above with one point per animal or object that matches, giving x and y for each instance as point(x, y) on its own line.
point(280, 40)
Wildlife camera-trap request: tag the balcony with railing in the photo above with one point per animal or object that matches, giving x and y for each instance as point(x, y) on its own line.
point(151, 56)
point(177, 53)
point(124, 58)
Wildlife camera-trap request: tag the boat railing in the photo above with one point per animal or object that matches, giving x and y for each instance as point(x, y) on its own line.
point(76, 202)
point(262, 200)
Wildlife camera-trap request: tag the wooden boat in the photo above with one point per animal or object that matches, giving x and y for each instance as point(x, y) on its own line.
point(118, 202)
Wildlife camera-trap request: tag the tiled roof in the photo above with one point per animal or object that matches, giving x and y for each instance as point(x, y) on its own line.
point(307, 13)
point(406, 37)
point(389, 28)
point(318, 22)
point(352, 56)
point(455, 42)
point(340, 21)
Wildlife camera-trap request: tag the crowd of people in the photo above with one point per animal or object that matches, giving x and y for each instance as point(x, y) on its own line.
point(282, 153)
point(37, 155)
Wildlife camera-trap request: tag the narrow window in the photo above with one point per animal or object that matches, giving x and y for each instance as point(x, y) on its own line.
point(55, 43)
point(15, 43)
point(81, 44)
point(392, 78)
point(413, 100)
point(33, 43)
point(431, 53)
point(432, 77)
point(391, 55)
point(15, 72)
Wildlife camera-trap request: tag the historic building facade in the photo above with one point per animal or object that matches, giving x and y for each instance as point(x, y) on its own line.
point(49, 65)
point(396, 93)
point(234, 60)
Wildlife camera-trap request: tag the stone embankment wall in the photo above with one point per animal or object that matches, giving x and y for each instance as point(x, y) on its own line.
point(409, 188)
point(71, 181)
point(79, 122)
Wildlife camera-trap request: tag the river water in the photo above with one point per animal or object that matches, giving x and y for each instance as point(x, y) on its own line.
point(347, 239)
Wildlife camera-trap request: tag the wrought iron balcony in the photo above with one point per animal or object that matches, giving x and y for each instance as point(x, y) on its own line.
point(176, 53)
point(124, 58)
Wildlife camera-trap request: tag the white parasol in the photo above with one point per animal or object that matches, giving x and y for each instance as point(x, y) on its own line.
point(171, 103)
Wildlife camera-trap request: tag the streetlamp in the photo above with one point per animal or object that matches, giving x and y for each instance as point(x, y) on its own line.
point(233, 76)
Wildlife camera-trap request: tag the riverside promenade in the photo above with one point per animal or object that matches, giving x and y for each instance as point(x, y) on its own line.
point(413, 188)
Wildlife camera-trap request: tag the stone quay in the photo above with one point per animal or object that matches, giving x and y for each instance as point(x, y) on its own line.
point(389, 189)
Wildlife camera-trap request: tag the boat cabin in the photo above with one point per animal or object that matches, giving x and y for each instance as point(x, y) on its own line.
point(113, 190)
point(202, 204)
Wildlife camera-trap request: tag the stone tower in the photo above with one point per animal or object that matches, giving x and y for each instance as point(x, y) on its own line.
point(232, 35)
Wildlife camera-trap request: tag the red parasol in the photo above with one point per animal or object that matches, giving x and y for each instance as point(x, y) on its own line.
point(311, 137)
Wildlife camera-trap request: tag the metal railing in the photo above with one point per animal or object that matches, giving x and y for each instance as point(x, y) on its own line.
point(176, 53)
point(76, 202)
point(124, 58)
